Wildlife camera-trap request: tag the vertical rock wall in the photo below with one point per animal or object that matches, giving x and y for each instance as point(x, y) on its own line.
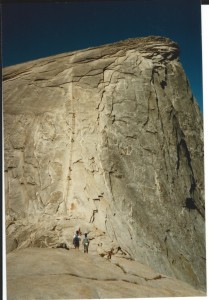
point(109, 139)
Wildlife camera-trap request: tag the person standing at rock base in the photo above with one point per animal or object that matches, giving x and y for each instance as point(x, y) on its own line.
point(86, 244)
point(76, 240)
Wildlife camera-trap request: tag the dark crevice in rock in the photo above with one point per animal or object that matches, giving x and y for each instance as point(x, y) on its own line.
point(54, 228)
point(193, 186)
point(190, 204)
point(156, 277)
point(160, 119)
point(57, 209)
point(163, 84)
point(119, 266)
point(108, 279)
point(93, 216)
point(154, 71)
point(148, 109)
point(40, 79)
point(128, 281)
point(182, 147)
point(89, 278)
point(13, 76)
point(74, 275)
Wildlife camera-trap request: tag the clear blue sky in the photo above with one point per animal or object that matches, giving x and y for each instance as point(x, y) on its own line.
point(31, 31)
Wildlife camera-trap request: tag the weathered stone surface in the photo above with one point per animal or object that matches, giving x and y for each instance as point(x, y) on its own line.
point(60, 274)
point(110, 140)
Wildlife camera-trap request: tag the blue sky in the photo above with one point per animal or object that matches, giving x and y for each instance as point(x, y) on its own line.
point(31, 31)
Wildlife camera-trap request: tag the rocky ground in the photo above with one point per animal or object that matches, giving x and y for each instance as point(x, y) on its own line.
point(42, 273)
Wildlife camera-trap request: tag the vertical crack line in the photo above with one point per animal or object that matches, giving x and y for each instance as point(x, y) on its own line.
point(160, 118)
point(119, 266)
point(93, 216)
point(183, 149)
point(72, 137)
point(148, 108)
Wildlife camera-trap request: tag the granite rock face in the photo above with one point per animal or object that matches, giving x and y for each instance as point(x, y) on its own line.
point(108, 139)
point(60, 274)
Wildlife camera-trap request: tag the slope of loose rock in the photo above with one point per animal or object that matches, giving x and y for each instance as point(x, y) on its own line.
point(37, 273)
point(110, 140)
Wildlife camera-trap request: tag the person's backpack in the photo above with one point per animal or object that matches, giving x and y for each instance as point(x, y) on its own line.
point(76, 240)
point(86, 241)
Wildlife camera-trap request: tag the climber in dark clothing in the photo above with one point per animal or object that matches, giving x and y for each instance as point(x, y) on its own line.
point(76, 240)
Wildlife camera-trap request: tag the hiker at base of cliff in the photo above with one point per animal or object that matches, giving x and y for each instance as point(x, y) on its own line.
point(76, 240)
point(86, 244)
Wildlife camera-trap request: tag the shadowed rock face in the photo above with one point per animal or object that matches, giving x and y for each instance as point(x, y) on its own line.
point(110, 140)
